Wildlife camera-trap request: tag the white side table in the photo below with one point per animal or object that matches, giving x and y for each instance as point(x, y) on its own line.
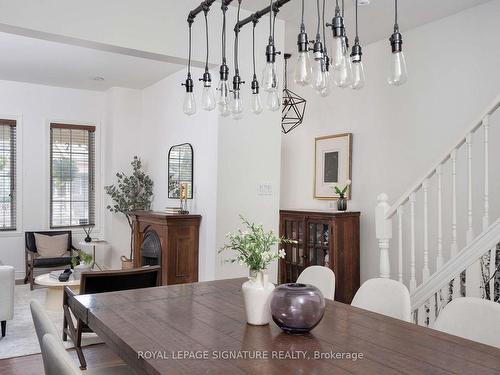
point(92, 245)
point(54, 299)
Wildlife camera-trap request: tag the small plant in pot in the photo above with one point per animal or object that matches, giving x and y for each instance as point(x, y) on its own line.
point(341, 192)
point(254, 249)
point(81, 262)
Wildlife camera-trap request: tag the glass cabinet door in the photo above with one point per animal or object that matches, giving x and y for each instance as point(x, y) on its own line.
point(295, 258)
point(318, 244)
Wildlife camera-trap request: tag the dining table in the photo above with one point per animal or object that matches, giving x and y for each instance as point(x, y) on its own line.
point(200, 328)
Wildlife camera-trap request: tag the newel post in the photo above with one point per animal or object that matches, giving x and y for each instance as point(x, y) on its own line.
point(383, 228)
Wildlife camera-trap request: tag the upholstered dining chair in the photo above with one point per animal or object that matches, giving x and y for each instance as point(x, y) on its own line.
point(56, 360)
point(384, 296)
point(321, 277)
point(102, 282)
point(7, 284)
point(471, 318)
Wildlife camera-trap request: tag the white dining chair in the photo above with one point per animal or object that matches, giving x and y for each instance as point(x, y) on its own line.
point(321, 277)
point(384, 296)
point(56, 360)
point(471, 318)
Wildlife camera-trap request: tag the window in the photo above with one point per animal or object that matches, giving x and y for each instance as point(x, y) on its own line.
point(72, 175)
point(7, 175)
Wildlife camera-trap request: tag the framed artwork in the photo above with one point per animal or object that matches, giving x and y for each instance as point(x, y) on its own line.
point(332, 165)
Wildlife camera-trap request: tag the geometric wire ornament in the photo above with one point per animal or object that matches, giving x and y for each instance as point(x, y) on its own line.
point(294, 106)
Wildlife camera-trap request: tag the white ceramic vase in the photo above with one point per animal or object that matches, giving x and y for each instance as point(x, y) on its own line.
point(257, 296)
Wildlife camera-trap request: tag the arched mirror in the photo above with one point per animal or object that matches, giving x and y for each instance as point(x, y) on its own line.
point(180, 170)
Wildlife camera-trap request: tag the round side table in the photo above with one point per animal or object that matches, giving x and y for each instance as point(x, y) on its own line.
point(54, 298)
point(92, 245)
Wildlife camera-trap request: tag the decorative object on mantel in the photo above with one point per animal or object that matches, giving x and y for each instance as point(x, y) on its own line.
point(253, 249)
point(294, 106)
point(184, 190)
point(131, 193)
point(342, 200)
point(87, 231)
point(297, 308)
point(332, 165)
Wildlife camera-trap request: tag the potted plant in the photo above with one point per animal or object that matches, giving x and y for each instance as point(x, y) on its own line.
point(342, 200)
point(131, 193)
point(254, 249)
point(81, 262)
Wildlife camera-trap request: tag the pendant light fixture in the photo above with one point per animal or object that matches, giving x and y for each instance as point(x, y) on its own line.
point(342, 76)
point(294, 106)
point(189, 104)
point(318, 65)
point(398, 74)
point(273, 102)
point(269, 75)
point(223, 89)
point(326, 85)
point(339, 48)
point(303, 65)
point(237, 101)
point(358, 73)
point(256, 100)
point(208, 102)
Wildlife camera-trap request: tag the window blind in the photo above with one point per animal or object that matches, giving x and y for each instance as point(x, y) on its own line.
point(72, 175)
point(8, 175)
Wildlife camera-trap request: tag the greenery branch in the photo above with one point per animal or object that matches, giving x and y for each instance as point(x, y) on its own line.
point(343, 191)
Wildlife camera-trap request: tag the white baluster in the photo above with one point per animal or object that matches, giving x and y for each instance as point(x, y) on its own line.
point(413, 280)
point(384, 234)
point(425, 270)
point(454, 247)
point(470, 232)
point(486, 217)
point(432, 308)
point(400, 244)
point(439, 259)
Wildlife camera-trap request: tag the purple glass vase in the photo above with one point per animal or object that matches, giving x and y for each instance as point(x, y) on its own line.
point(297, 308)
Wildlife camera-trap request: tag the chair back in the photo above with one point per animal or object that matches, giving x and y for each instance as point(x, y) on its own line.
point(42, 322)
point(386, 297)
point(29, 238)
point(7, 283)
point(471, 318)
point(112, 281)
point(56, 360)
point(321, 277)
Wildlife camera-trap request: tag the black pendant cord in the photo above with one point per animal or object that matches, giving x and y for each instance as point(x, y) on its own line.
point(324, 28)
point(189, 47)
point(396, 26)
point(253, 50)
point(275, 13)
point(286, 71)
point(236, 42)
point(271, 29)
point(318, 35)
point(342, 8)
point(206, 34)
point(356, 40)
point(302, 26)
point(224, 10)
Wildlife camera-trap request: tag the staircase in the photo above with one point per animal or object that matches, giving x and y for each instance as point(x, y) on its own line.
point(446, 244)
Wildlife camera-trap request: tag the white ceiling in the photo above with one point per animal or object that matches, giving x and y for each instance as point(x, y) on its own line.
point(376, 19)
point(50, 63)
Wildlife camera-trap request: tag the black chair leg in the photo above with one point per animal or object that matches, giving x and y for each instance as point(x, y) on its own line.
point(4, 327)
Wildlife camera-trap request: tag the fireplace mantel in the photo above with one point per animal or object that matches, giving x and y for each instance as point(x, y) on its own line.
point(178, 236)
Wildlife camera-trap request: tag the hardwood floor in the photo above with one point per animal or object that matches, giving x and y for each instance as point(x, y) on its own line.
point(97, 356)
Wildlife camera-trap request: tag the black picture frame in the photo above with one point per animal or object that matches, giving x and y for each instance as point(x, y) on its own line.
point(180, 169)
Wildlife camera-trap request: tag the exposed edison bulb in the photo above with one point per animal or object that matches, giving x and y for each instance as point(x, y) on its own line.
point(303, 69)
point(397, 73)
point(189, 105)
point(223, 101)
point(318, 71)
point(339, 52)
point(269, 77)
point(208, 102)
point(273, 102)
point(326, 86)
point(256, 105)
point(342, 76)
point(358, 75)
point(237, 105)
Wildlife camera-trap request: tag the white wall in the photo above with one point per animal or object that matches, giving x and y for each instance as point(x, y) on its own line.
point(399, 132)
point(35, 107)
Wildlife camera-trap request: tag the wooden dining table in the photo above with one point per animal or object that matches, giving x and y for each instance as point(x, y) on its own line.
point(200, 328)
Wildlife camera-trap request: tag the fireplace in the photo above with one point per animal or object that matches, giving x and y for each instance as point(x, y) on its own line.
point(170, 241)
point(151, 249)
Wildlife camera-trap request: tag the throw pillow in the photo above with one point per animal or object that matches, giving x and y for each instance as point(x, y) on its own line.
point(51, 246)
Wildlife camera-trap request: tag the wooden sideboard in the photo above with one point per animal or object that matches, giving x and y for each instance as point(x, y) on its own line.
point(323, 238)
point(178, 236)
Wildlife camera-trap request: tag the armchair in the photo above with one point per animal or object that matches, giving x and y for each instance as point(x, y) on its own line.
point(33, 260)
point(7, 282)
